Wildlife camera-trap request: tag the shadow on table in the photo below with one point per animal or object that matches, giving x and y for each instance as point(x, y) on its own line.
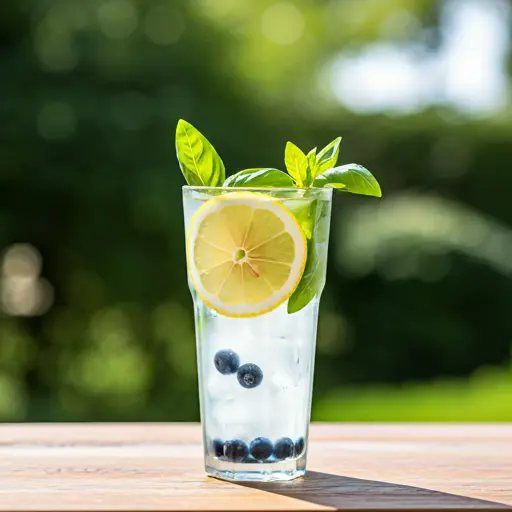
point(344, 493)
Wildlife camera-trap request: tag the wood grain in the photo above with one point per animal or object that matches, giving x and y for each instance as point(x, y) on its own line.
point(159, 467)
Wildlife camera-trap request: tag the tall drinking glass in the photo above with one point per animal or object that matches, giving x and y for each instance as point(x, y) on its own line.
point(260, 433)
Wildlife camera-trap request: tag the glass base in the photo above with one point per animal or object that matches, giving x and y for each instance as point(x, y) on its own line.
point(256, 471)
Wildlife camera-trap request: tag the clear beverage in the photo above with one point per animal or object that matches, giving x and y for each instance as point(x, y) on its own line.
point(282, 345)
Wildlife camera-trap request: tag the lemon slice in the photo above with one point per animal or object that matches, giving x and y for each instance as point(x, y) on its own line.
point(246, 253)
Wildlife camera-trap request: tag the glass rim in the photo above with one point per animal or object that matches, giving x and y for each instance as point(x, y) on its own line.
point(205, 188)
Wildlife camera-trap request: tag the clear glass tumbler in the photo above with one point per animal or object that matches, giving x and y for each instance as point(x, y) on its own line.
point(282, 345)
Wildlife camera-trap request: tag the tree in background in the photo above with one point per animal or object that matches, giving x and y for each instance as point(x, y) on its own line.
point(97, 320)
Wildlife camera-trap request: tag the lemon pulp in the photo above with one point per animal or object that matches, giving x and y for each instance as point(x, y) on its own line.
point(246, 253)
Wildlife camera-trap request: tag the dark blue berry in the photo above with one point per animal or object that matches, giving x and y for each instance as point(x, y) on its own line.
point(261, 448)
point(249, 375)
point(284, 448)
point(299, 446)
point(217, 447)
point(236, 450)
point(226, 361)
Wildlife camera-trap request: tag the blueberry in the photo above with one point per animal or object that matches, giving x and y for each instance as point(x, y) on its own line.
point(261, 448)
point(226, 361)
point(249, 375)
point(284, 448)
point(236, 450)
point(299, 446)
point(217, 447)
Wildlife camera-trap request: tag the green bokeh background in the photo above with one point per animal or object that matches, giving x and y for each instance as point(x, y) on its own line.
point(415, 317)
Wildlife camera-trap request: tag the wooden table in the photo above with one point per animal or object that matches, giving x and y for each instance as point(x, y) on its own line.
point(159, 467)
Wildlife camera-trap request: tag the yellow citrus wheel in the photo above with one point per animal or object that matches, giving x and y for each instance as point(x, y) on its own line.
point(246, 253)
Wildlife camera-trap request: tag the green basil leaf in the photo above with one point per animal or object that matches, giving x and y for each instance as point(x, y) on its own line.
point(328, 157)
point(303, 210)
point(311, 283)
point(199, 162)
point(259, 178)
point(311, 166)
point(296, 164)
point(314, 220)
point(350, 178)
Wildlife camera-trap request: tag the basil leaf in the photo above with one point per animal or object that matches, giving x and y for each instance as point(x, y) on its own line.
point(296, 164)
point(259, 178)
point(316, 227)
point(328, 157)
point(304, 211)
point(311, 166)
point(350, 178)
point(311, 283)
point(199, 162)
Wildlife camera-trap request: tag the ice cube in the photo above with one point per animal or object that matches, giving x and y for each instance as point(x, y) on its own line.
point(287, 369)
point(282, 380)
point(220, 387)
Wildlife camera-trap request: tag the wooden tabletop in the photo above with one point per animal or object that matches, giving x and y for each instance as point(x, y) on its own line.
point(351, 467)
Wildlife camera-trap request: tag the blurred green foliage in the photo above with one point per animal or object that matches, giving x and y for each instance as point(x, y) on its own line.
point(486, 397)
point(419, 287)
